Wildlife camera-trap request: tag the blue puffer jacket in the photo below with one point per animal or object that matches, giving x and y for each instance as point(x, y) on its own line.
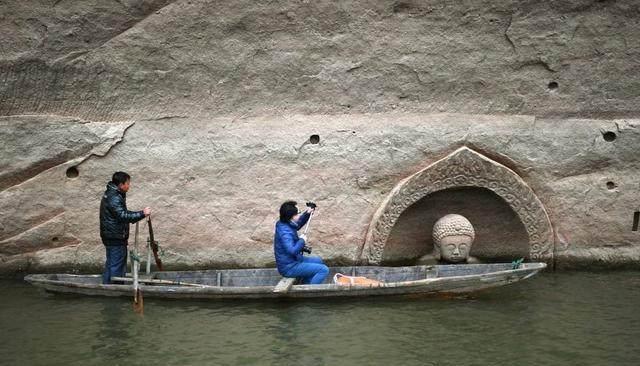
point(287, 246)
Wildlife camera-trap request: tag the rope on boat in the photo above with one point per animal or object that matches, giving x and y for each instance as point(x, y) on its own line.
point(160, 250)
point(516, 264)
point(134, 256)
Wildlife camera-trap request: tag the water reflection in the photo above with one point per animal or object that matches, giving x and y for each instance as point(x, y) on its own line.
point(568, 319)
point(292, 333)
point(113, 341)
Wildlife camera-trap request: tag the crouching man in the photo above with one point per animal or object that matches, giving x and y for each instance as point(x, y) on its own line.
point(288, 246)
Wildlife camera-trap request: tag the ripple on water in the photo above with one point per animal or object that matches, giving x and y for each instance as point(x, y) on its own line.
point(568, 319)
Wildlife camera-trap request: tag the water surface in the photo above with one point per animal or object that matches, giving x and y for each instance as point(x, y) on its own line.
point(550, 319)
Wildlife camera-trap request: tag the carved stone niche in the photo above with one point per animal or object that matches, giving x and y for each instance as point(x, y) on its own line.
point(470, 174)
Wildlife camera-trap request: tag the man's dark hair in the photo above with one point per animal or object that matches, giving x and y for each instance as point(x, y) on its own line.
point(120, 178)
point(288, 210)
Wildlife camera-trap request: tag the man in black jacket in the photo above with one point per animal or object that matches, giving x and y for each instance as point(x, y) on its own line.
point(114, 224)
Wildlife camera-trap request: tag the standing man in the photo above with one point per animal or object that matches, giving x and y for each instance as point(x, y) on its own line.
point(114, 224)
point(288, 246)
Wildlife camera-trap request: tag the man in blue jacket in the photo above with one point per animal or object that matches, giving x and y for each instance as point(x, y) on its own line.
point(114, 224)
point(288, 246)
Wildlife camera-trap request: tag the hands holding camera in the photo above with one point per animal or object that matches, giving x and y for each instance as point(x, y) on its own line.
point(305, 248)
point(311, 207)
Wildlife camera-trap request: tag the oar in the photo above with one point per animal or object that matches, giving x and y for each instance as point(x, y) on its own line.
point(138, 303)
point(154, 245)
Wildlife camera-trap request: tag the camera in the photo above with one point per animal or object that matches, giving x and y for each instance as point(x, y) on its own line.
point(312, 205)
point(306, 249)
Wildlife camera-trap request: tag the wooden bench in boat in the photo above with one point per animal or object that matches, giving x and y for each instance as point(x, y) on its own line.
point(284, 285)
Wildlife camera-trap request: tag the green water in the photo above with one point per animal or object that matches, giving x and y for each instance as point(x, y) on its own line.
point(550, 319)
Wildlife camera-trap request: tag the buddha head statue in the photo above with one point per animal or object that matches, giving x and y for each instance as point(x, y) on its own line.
point(452, 238)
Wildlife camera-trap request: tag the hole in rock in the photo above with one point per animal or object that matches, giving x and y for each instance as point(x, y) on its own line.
point(54, 239)
point(609, 136)
point(636, 218)
point(553, 85)
point(73, 172)
point(611, 185)
point(314, 139)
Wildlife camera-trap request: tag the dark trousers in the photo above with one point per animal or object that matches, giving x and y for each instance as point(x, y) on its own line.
point(116, 264)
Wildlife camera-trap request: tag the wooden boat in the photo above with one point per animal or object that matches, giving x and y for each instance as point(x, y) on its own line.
point(267, 283)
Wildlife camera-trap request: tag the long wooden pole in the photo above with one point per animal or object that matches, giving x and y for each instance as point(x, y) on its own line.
point(306, 229)
point(154, 246)
point(138, 306)
point(133, 265)
point(162, 282)
point(148, 269)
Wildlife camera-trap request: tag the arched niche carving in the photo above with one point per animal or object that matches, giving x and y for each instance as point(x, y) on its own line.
point(463, 168)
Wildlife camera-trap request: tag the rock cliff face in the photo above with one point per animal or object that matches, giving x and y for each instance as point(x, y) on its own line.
point(211, 106)
point(127, 59)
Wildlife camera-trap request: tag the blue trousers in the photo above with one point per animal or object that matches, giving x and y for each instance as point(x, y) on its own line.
point(312, 270)
point(116, 264)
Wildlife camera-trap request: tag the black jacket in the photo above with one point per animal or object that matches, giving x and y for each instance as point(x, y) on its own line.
point(114, 217)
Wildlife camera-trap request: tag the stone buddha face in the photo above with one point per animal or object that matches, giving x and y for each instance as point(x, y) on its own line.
point(452, 238)
point(455, 248)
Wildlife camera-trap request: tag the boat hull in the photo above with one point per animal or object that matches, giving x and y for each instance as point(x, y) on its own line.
point(260, 283)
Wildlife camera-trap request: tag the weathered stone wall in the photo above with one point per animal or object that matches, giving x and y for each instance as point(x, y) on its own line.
point(141, 59)
point(215, 184)
point(210, 105)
